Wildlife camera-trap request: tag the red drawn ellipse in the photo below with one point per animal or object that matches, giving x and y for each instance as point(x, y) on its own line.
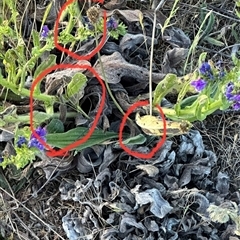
point(62, 151)
point(159, 144)
point(67, 51)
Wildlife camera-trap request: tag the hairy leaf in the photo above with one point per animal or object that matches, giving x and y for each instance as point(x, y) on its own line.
point(61, 140)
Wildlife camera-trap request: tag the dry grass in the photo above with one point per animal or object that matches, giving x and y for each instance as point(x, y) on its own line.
point(221, 133)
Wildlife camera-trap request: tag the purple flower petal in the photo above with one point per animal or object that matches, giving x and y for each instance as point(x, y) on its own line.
point(229, 89)
point(206, 70)
point(21, 140)
point(112, 24)
point(236, 106)
point(45, 31)
point(41, 132)
point(236, 98)
point(199, 84)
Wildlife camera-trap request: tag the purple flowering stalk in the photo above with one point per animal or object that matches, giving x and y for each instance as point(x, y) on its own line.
point(34, 142)
point(231, 96)
point(206, 73)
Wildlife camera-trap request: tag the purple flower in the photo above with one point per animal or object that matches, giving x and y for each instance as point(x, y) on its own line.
point(45, 31)
point(112, 24)
point(41, 132)
point(229, 89)
point(233, 97)
point(1, 159)
point(199, 84)
point(206, 70)
point(236, 98)
point(236, 106)
point(21, 140)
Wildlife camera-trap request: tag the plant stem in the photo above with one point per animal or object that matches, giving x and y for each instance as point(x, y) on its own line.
point(26, 92)
point(151, 55)
point(25, 118)
point(105, 79)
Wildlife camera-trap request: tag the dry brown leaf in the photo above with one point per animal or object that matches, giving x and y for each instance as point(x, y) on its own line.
point(151, 170)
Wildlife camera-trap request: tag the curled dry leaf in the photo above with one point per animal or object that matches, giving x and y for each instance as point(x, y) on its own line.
point(115, 4)
point(176, 37)
point(134, 45)
point(89, 158)
point(159, 206)
point(202, 201)
point(62, 77)
point(222, 185)
point(161, 18)
point(197, 141)
point(172, 35)
point(128, 15)
point(116, 67)
point(6, 135)
point(52, 167)
point(129, 221)
point(151, 170)
point(172, 59)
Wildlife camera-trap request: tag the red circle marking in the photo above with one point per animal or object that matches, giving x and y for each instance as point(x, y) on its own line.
point(67, 51)
point(53, 152)
point(159, 144)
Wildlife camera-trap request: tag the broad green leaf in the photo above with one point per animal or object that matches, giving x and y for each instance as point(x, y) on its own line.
point(55, 126)
point(62, 140)
point(77, 83)
point(188, 101)
point(201, 103)
point(139, 139)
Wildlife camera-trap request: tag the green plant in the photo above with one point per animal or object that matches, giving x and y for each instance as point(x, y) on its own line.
point(18, 65)
point(225, 212)
point(202, 92)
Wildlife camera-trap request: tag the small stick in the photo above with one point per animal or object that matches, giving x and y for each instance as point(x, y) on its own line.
point(151, 56)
